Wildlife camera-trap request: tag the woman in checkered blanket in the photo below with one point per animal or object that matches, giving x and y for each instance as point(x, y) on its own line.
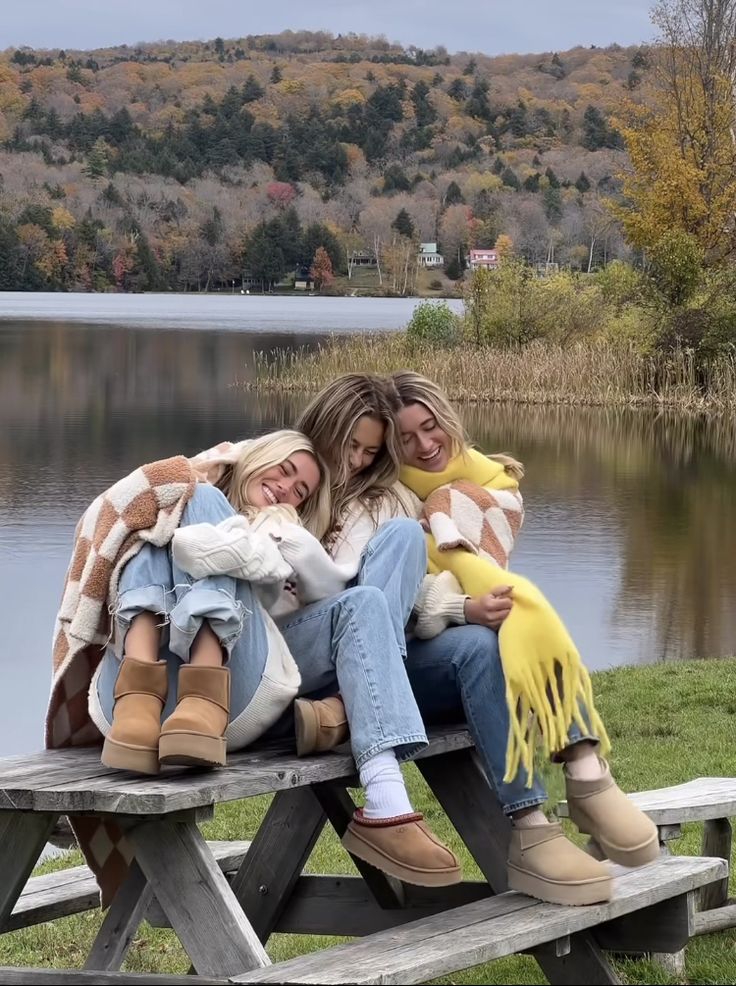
point(195, 634)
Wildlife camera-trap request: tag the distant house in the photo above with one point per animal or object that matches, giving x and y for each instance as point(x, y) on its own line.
point(362, 258)
point(487, 259)
point(302, 279)
point(247, 280)
point(429, 256)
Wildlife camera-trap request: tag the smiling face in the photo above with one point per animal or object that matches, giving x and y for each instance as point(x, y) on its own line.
point(292, 481)
point(425, 445)
point(365, 443)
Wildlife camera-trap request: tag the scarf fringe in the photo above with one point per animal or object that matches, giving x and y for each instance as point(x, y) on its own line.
point(543, 706)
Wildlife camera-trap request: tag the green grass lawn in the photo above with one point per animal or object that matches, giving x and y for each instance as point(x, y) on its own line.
point(668, 723)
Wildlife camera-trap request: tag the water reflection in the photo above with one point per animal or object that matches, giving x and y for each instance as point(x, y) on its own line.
point(629, 527)
point(660, 489)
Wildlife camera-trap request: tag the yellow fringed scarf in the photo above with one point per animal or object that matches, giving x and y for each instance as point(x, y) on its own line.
point(548, 687)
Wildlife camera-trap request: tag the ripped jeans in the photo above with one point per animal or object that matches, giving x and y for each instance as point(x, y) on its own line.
point(152, 582)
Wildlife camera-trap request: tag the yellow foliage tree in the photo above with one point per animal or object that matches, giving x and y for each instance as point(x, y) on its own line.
point(683, 144)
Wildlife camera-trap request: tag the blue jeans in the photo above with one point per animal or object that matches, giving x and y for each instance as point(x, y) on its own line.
point(354, 643)
point(458, 676)
point(152, 582)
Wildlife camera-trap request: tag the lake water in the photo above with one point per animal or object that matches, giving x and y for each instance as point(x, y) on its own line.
point(630, 519)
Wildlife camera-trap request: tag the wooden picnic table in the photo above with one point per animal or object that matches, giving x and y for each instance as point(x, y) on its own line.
point(223, 925)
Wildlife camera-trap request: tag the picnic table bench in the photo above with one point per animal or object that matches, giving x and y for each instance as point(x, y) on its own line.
point(405, 934)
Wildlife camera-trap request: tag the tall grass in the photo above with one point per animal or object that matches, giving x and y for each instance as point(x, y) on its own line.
point(589, 373)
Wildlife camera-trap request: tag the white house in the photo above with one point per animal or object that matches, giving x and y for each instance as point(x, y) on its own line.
point(428, 256)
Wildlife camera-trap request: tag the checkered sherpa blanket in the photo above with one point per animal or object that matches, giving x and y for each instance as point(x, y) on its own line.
point(486, 522)
point(145, 506)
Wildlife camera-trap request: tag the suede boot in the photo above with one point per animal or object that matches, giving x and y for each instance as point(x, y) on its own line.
point(403, 847)
point(320, 725)
point(140, 693)
point(600, 809)
point(542, 863)
point(194, 733)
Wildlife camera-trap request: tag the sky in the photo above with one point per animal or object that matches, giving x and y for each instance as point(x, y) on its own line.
point(490, 26)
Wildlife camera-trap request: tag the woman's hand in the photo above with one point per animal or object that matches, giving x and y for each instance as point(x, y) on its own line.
point(491, 609)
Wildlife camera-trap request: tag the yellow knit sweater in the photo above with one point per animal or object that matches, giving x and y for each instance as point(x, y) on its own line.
point(547, 686)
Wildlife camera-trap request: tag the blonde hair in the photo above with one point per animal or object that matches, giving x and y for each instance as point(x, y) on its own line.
point(330, 419)
point(271, 450)
point(413, 388)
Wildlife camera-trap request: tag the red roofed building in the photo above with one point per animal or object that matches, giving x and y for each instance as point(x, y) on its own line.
point(488, 259)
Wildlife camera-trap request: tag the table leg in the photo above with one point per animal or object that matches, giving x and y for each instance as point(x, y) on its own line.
point(122, 920)
point(23, 836)
point(196, 897)
point(276, 857)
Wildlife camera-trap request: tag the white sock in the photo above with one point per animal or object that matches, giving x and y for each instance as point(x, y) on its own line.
point(385, 791)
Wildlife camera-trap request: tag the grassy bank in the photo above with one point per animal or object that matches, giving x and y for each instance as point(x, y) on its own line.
point(668, 723)
point(584, 373)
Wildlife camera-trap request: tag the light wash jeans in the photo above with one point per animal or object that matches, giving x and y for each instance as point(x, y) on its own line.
point(152, 582)
point(458, 676)
point(354, 643)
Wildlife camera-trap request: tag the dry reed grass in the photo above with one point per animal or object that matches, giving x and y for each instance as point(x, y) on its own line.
point(599, 373)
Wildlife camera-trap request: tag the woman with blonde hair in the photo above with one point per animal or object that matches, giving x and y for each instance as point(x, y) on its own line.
point(455, 670)
point(202, 650)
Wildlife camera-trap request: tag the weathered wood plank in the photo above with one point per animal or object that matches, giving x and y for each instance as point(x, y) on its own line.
point(197, 898)
point(717, 841)
point(706, 922)
point(484, 930)
point(664, 927)
point(694, 801)
point(283, 843)
point(72, 891)
point(343, 905)
point(22, 837)
point(121, 922)
point(74, 782)
point(70, 977)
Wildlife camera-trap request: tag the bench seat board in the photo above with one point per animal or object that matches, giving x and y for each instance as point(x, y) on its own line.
point(484, 930)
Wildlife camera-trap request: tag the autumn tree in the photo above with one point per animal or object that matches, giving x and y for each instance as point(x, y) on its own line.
point(321, 269)
point(682, 144)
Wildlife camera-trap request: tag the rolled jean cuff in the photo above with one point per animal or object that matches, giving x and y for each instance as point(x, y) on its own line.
point(575, 736)
point(533, 802)
point(222, 611)
point(152, 598)
point(405, 747)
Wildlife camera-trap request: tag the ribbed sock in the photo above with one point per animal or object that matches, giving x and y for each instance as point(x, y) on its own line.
point(385, 790)
point(530, 818)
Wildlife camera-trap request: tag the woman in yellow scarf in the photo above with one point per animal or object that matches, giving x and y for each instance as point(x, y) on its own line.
point(548, 689)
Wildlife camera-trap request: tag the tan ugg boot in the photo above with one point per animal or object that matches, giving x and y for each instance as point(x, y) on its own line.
point(403, 847)
point(600, 809)
point(542, 863)
point(194, 733)
point(140, 694)
point(320, 725)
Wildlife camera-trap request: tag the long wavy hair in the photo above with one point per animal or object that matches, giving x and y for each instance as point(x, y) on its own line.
point(271, 450)
point(412, 388)
point(330, 419)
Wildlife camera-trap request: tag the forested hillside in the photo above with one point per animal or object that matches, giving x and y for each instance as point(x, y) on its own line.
point(177, 165)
